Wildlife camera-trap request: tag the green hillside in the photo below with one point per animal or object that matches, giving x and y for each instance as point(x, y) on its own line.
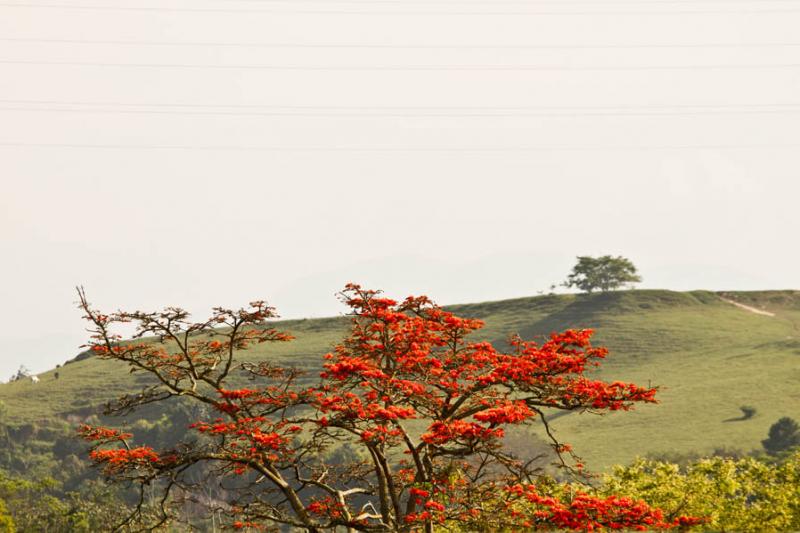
point(709, 356)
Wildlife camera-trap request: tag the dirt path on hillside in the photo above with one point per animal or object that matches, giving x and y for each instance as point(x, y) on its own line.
point(747, 307)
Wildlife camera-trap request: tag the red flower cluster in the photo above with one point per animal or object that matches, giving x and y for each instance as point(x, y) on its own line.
point(403, 360)
point(585, 512)
point(419, 493)
point(235, 400)
point(508, 412)
point(424, 516)
point(351, 406)
point(347, 366)
point(239, 524)
point(601, 395)
point(458, 430)
point(252, 438)
point(92, 433)
point(122, 459)
point(237, 394)
point(325, 507)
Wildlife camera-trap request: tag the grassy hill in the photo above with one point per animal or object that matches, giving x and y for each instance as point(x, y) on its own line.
point(709, 356)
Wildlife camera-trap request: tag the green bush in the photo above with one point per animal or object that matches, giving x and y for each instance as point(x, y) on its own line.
point(733, 494)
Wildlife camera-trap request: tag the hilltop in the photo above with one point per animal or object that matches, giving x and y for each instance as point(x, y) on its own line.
point(708, 356)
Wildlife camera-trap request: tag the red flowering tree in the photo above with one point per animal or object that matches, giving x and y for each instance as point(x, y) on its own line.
point(425, 408)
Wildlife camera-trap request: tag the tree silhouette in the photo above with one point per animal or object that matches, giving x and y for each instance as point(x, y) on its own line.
point(604, 273)
point(783, 435)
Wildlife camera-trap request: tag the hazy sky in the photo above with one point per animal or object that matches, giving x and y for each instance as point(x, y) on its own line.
point(198, 153)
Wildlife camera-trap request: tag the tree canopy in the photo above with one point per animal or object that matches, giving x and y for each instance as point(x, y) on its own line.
point(743, 494)
point(403, 430)
point(783, 435)
point(603, 273)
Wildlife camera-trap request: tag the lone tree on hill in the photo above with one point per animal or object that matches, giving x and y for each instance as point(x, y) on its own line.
point(783, 435)
point(424, 409)
point(605, 273)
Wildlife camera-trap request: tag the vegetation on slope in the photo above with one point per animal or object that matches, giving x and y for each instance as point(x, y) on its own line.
point(709, 357)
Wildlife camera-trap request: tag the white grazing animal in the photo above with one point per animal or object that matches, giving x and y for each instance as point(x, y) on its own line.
point(35, 379)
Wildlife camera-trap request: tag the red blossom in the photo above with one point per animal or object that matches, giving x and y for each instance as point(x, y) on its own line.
point(403, 360)
point(327, 507)
point(444, 432)
point(121, 459)
point(586, 512)
point(507, 413)
point(434, 505)
point(237, 394)
point(91, 433)
point(419, 493)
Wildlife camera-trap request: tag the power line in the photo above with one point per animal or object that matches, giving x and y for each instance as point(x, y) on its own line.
point(394, 149)
point(401, 68)
point(392, 12)
point(487, 46)
point(398, 107)
point(504, 2)
point(407, 115)
point(431, 112)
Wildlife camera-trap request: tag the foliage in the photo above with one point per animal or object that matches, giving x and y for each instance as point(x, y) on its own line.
point(43, 485)
point(41, 505)
point(733, 494)
point(6, 520)
point(685, 460)
point(404, 365)
point(604, 273)
point(550, 505)
point(783, 435)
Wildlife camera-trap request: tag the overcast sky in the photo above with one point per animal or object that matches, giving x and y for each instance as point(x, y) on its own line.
point(215, 152)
